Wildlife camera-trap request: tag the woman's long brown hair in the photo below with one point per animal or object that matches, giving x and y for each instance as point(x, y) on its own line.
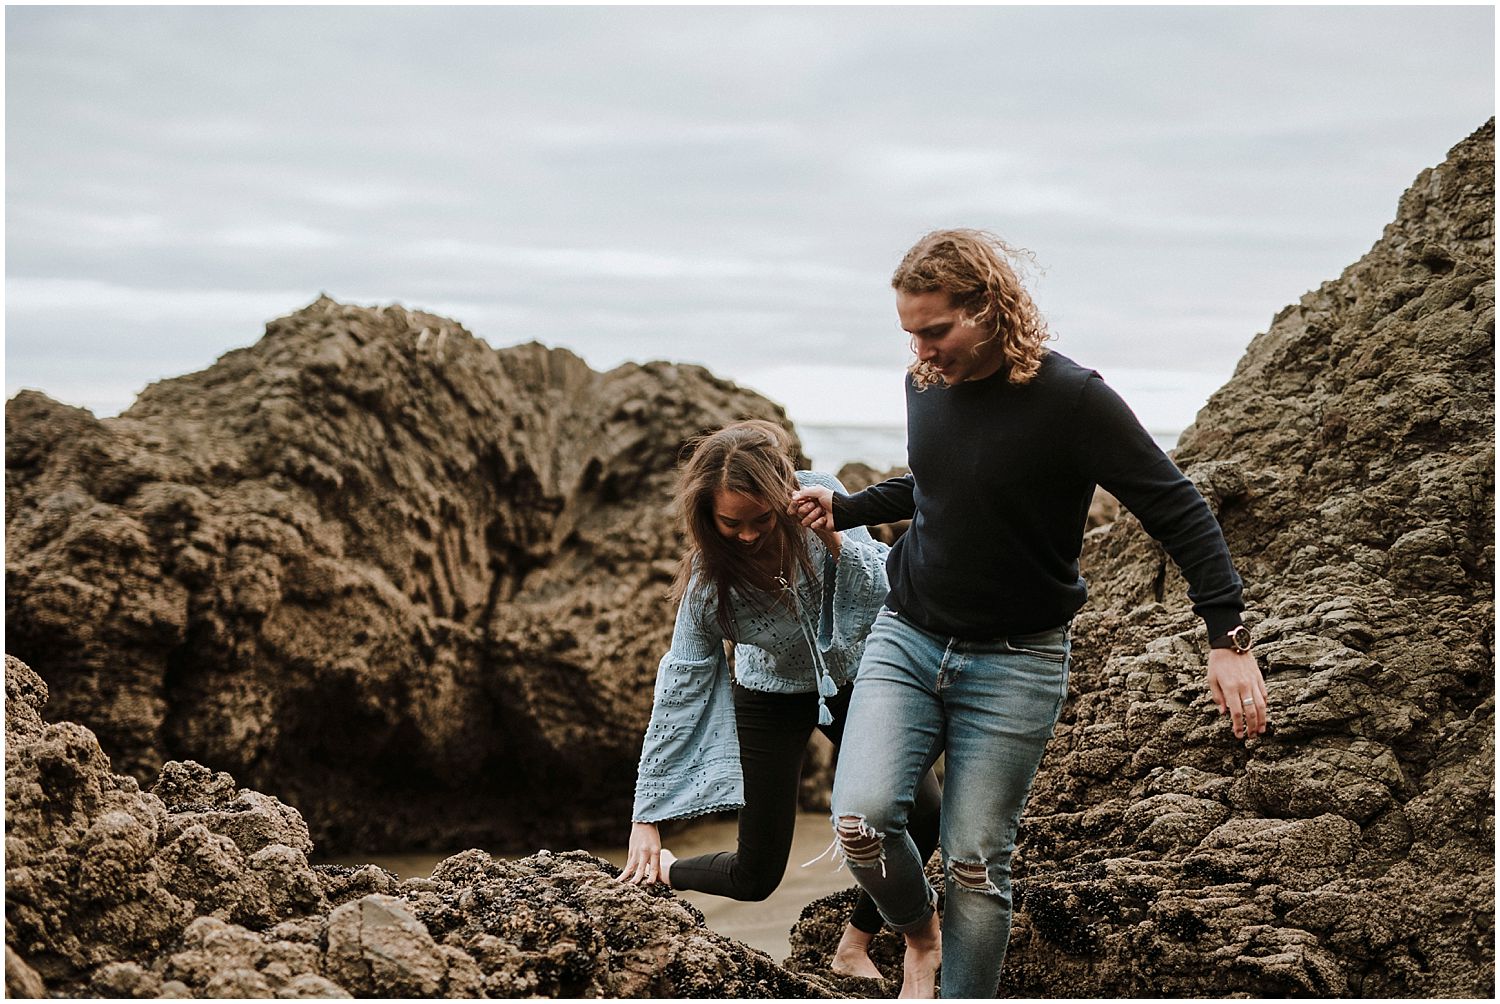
point(752, 458)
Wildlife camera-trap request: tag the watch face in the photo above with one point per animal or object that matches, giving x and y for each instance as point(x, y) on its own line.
point(1240, 638)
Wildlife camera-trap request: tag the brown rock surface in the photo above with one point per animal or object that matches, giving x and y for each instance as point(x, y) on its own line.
point(199, 889)
point(414, 585)
point(1350, 851)
point(100, 874)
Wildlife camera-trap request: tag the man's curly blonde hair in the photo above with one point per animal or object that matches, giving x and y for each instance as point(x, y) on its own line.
point(975, 268)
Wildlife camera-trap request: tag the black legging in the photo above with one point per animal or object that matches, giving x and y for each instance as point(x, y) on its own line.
point(773, 731)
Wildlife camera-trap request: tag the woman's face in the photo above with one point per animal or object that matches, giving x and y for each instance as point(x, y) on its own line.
point(743, 519)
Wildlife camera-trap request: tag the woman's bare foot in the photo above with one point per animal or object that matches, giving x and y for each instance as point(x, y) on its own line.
point(924, 953)
point(852, 957)
point(664, 869)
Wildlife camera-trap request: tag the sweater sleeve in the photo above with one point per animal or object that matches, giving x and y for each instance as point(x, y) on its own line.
point(888, 502)
point(690, 760)
point(854, 588)
point(1122, 458)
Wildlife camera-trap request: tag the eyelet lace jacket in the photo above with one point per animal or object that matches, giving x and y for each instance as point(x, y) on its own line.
point(690, 762)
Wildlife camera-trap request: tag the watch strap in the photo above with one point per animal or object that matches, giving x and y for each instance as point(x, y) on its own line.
point(1236, 639)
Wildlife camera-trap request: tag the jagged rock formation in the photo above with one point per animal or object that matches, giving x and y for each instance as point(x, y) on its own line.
point(1350, 851)
point(414, 585)
point(197, 888)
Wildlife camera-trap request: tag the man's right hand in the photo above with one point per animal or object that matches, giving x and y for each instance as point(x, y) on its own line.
point(643, 864)
point(814, 507)
point(1239, 689)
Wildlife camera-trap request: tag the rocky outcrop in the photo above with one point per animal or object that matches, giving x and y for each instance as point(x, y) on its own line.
point(414, 585)
point(198, 888)
point(98, 871)
point(1350, 851)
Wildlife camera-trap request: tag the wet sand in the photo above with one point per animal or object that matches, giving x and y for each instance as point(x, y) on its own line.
point(763, 925)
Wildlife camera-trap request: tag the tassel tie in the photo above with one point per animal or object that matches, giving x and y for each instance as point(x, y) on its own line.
point(827, 686)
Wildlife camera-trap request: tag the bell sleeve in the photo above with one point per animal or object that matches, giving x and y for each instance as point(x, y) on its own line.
point(690, 760)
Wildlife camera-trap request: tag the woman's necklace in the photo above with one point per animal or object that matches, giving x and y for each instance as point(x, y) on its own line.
point(782, 572)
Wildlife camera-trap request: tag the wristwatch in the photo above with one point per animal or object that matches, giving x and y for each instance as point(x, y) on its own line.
point(1237, 639)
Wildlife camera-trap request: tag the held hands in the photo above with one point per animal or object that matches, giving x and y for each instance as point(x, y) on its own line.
point(1236, 684)
point(814, 507)
point(643, 864)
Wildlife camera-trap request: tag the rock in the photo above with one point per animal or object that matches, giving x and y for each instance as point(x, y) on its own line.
point(192, 784)
point(20, 979)
point(101, 875)
point(219, 959)
point(25, 694)
point(114, 892)
point(341, 883)
point(1349, 851)
point(412, 584)
point(309, 986)
point(124, 979)
point(1104, 509)
point(1350, 462)
point(375, 942)
point(83, 886)
point(561, 925)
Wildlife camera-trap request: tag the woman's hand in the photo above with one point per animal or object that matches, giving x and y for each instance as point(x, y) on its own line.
point(643, 863)
point(814, 507)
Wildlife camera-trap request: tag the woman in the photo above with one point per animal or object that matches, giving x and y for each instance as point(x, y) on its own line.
point(796, 605)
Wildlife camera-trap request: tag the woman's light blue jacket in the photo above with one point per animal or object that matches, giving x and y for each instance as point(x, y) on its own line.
point(690, 762)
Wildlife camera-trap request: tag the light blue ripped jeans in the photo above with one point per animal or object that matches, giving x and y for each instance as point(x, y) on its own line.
point(991, 707)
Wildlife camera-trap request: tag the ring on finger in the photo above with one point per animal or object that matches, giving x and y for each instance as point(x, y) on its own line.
point(1247, 700)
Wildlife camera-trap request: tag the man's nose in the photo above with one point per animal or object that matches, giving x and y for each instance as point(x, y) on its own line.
point(748, 537)
point(926, 350)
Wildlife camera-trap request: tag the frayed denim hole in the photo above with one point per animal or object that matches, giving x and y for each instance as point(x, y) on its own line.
point(972, 876)
point(863, 847)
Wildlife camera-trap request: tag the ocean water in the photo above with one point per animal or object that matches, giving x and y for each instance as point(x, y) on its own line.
point(883, 446)
point(830, 447)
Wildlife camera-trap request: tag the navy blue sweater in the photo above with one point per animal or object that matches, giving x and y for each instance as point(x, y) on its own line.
point(1001, 480)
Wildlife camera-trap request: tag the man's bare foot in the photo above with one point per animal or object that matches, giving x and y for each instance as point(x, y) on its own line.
point(664, 869)
point(852, 957)
point(924, 953)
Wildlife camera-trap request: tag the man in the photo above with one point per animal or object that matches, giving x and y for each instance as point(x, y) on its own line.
point(1006, 441)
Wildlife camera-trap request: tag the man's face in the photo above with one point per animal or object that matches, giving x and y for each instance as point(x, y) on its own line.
point(943, 337)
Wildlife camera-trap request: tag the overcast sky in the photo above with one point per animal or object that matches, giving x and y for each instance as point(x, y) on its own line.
point(724, 186)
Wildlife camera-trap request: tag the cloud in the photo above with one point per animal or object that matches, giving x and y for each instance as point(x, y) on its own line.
point(620, 263)
point(730, 186)
point(37, 301)
point(274, 237)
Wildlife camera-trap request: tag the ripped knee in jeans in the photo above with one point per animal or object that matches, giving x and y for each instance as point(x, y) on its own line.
point(863, 847)
point(972, 876)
